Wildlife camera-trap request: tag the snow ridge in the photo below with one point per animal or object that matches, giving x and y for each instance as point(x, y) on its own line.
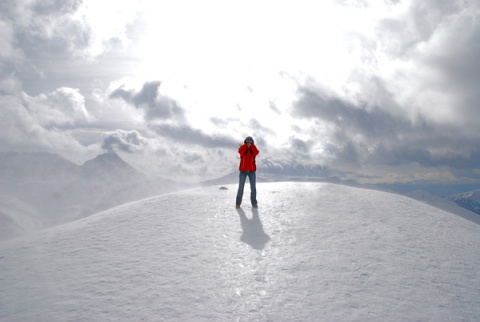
point(445, 204)
point(312, 251)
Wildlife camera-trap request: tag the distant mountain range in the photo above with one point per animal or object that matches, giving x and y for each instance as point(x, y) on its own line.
point(41, 189)
point(444, 203)
point(468, 200)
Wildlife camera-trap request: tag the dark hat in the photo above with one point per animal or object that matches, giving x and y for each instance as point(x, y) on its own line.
point(248, 139)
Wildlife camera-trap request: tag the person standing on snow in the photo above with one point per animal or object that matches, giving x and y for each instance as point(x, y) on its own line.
point(248, 151)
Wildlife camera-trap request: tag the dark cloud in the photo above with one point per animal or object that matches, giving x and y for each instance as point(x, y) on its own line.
point(51, 44)
point(218, 121)
point(443, 36)
point(186, 135)
point(427, 16)
point(373, 136)
point(346, 116)
point(193, 157)
point(300, 146)
point(292, 167)
point(44, 32)
point(345, 151)
point(147, 95)
point(401, 35)
point(56, 7)
point(259, 130)
point(149, 99)
point(418, 56)
point(457, 61)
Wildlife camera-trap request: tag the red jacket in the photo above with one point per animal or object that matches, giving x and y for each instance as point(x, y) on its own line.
point(247, 158)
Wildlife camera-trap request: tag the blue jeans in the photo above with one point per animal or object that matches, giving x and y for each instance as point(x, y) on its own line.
point(241, 185)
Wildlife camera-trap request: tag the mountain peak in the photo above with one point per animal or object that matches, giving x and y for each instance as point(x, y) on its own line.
point(469, 200)
point(107, 163)
point(108, 157)
point(475, 195)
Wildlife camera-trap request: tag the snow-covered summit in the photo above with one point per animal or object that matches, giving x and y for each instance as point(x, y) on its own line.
point(312, 251)
point(472, 195)
point(106, 164)
point(469, 200)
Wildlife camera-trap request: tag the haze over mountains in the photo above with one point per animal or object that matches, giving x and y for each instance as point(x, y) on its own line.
point(40, 190)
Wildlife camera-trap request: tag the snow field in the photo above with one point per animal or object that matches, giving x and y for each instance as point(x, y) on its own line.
point(312, 251)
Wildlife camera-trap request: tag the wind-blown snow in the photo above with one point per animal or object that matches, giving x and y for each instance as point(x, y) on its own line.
point(312, 251)
point(40, 190)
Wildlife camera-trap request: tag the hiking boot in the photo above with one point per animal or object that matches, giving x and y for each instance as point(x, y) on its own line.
point(255, 206)
point(237, 206)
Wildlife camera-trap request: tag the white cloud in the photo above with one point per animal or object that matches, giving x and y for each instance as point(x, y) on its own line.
point(108, 23)
point(6, 38)
point(351, 84)
point(62, 108)
point(127, 141)
point(154, 105)
point(24, 128)
point(413, 58)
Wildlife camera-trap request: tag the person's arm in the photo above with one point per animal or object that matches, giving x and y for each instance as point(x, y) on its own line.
point(255, 150)
point(242, 148)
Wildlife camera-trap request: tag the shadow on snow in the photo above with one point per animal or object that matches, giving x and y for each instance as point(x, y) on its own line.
point(253, 233)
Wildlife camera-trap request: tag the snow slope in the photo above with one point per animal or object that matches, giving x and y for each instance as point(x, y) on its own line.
point(445, 204)
point(312, 251)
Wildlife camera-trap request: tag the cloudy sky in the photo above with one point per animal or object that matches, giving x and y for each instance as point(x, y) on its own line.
point(375, 91)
